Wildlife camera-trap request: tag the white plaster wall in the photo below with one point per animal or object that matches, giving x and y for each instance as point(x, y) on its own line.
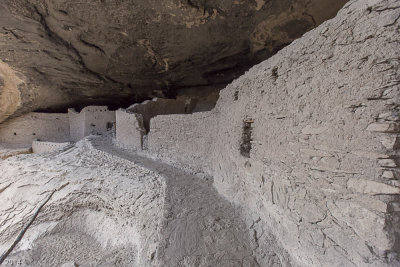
point(47, 147)
point(129, 130)
point(27, 128)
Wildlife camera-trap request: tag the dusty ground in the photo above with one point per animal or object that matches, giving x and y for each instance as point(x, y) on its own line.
point(114, 208)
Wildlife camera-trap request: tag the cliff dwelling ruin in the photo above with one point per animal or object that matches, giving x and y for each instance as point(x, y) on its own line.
point(200, 133)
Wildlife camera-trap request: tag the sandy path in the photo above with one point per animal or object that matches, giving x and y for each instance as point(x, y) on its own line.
point(201, 228)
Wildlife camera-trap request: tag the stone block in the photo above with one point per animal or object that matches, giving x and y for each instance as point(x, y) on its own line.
point(371, 187)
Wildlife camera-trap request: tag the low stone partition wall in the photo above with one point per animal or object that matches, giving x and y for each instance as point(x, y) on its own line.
point(183, 140)
point(47, 147)
point(160, 106)
point(32, 126)
point(133, 124)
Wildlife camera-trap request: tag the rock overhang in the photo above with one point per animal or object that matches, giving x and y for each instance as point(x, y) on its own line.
point(74, 53)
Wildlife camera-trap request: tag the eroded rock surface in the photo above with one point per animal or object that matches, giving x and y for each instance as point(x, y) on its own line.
point(73, 53)
point(10, 97)
point(88, 218)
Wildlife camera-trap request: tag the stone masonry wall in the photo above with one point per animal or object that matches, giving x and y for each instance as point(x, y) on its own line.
point(183, 140)
point(47, 147)
point(159, 106)
point(57, 127)
point(133, 124)
point(307, 142)
point(27, 128)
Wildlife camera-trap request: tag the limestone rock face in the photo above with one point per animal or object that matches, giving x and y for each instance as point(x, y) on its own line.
point(9, 94)
point(74, 52)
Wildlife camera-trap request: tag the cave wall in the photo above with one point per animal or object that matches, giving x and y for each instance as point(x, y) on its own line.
point(307, 141)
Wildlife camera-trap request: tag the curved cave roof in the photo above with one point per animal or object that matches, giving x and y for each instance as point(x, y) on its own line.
point(71, 53)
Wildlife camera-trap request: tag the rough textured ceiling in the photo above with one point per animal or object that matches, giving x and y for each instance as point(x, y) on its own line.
point(73, 52)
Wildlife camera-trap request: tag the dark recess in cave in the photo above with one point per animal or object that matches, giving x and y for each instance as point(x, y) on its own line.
point(245, 146)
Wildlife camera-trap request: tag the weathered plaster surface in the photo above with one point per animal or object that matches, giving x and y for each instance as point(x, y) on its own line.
point(76, 124)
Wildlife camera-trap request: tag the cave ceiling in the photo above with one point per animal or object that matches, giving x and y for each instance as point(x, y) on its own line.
point(72, 52)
